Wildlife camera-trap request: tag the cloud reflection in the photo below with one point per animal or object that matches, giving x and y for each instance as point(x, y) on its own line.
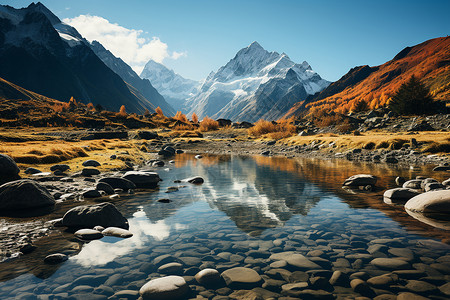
point(107, 249)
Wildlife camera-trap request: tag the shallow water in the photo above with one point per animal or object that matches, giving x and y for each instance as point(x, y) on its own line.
point(247, 209)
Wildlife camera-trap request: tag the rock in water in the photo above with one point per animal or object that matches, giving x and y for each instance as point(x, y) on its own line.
point(56, 258)
point(103, 186)
point(143, 179)
point(242, 278)
point(24, 194)
point(208, 277)
point(399, 195)
point(88, 216)
point(88, 234)
point(360, 180)
point(431, 203)
point(117, 232)
point(119, 183)
point(165, 288)
point(9, 170)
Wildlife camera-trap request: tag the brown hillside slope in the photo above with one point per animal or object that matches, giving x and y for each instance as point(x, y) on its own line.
point(15, 101)
point(428, 61)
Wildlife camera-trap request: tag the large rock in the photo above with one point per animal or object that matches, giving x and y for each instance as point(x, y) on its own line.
point(242, 278)
point(208, 277)
point(88, 234)
point(90, 171)
point(360, 180)
point(24, 194)
point(91, 163)
point(9, 170)
point(88, 216)
point(296, 260)
point(117, 232)
point(390, 264)
point(399, 195)
point(143, 179)
point(60, 167)
point(413, 184)
point(165, 288)
point(103, 186)
point(434, 203)
point(119, 183)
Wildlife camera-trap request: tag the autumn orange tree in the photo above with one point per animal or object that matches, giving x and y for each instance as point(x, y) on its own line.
point(122, 112)
point(159, 111)
point(194, 118)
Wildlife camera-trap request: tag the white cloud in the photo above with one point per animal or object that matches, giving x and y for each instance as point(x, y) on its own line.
point(128, 44)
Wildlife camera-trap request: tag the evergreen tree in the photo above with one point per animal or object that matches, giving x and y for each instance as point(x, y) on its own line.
point(413, 98)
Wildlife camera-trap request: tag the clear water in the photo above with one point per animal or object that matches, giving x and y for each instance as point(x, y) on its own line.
point(245, 204)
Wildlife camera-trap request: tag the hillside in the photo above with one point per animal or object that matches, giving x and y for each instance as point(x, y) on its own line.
point(15, 100)
point(40, 53)
point(428, 61)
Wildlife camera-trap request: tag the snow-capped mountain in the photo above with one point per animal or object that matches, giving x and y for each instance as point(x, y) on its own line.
point(175, 88)
point(40, 53)
point(130, 77)
point(255, 84)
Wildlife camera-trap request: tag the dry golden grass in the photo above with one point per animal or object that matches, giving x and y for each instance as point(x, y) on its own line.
point(42, 154)
point(433, 142)
point(282, 129)
point(208, 124)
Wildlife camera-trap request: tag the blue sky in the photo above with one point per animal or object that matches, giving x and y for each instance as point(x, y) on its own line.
point(199, 36)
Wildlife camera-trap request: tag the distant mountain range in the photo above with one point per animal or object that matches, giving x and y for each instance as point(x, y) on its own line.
point(428, 61)
point(41, 54)
point(175, 88)
point(255, 84)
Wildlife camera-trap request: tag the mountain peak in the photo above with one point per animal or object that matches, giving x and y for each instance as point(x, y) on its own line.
point(39, 7)
point(255, 45)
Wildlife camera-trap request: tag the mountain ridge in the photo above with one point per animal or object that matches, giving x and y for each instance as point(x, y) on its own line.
point(428, 61)
point(41, 54)
point(175, 88)
point(255, 84)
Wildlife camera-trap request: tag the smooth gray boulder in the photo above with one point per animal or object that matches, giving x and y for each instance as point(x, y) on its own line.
point(194, 180)
point(103, 186)
point(90, 171)
point(9, 171)
point(91, 193)
point(119, 183)
point(32, 171)
point(88, 234)
point(399, 195)
point(427, 181)
point(165, 288)
point(413, 184)
point(143, 179)
point(360, 180)
point(55, 258)
point(208, 277)
point(390, 264)
point(59, 167)
point(241, 278)
point(88, 216)
point(91, 163)
point(431, 203)
point(24, 194)
point(295, 260)
point(117, 232)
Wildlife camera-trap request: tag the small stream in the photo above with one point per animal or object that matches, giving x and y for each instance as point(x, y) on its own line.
point(247, 209)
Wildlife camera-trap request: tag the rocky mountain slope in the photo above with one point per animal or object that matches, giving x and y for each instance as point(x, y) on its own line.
point(40, 53)
point(175, 88)
point(255, 84)
point(143, 86)
point(428, 61)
